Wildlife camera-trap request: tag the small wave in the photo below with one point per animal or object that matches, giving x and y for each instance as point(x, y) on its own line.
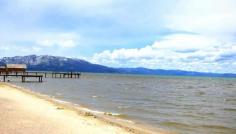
point(202, 87)
point(229, 85)
point(216, 127)
point(58, 94)
point(105, 113)
point(129, 121)
point(115, 114)
point(190, 87)
point(230, 109)
point(233, 99)
point(123, 107)
point(200, 93)
point(95, 96)
point(61, 101)
point(202, 127)
point(175, 124)
point(92, 111)
point(112, 114)
point(199, 116)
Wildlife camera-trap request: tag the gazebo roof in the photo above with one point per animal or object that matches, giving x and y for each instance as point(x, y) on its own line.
point(16, 66)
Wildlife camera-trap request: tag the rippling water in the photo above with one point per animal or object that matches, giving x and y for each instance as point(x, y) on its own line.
point(186, 105)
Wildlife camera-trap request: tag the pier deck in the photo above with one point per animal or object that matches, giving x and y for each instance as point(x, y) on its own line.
point(40, 75)
point(57, 74)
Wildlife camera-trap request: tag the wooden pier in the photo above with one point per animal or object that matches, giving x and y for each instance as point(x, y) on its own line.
point(40, 74)
point(19, 70)
point(56, 74)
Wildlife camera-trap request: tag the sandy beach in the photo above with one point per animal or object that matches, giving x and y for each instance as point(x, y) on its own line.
point(23, 112)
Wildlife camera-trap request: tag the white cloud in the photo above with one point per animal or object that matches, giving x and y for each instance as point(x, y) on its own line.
point(40, 43)
point(185, 42)
point(206, 17)
point(50, 26)
point(180, 51)
point(64, 40)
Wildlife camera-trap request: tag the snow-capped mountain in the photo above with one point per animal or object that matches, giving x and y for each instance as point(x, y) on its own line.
point(56, 63)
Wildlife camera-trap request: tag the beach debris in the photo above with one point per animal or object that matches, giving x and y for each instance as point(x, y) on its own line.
point(108, 113)
point(88, 114)
point(60, 108)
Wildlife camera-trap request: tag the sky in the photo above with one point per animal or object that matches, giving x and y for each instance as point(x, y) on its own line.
point(193, 35)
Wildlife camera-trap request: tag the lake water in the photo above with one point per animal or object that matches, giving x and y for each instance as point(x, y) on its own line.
point(186, 105)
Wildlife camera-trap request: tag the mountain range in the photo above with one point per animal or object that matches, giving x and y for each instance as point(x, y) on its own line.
point(56, 63)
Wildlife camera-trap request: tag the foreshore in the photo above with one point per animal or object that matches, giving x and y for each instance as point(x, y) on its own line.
point(26, 112)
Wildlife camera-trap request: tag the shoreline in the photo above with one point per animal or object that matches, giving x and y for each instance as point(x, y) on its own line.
point(119, 125)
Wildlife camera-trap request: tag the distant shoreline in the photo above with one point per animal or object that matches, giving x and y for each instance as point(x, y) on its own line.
point(50, 63)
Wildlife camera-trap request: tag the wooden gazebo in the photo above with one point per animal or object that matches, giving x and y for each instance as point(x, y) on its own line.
point(13, 68)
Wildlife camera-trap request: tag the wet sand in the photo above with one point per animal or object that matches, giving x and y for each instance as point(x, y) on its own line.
point(23, 112)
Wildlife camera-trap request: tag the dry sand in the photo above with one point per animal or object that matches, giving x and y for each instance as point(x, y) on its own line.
point(26, 113)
